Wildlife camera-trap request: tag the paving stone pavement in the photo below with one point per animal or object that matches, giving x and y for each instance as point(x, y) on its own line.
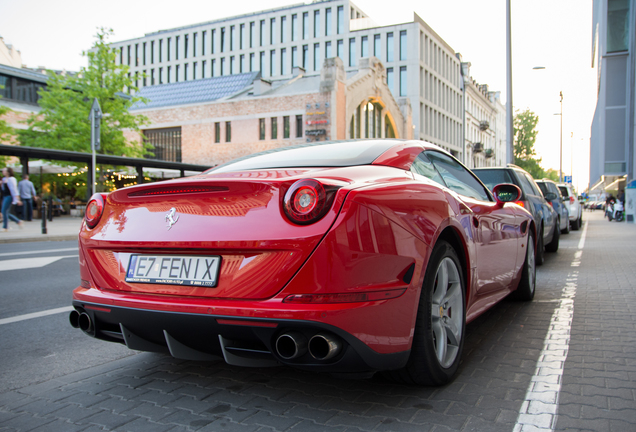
point(151, 392)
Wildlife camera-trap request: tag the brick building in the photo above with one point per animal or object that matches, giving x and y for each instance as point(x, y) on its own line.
point(211, 121)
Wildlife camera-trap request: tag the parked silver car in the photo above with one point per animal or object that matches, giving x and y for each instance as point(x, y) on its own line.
point(573, 205)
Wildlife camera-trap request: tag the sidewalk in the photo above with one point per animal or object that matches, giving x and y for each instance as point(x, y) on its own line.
point(62, 228)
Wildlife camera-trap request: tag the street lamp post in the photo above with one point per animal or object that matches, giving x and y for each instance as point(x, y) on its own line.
point(561, 141)
point(509, 118)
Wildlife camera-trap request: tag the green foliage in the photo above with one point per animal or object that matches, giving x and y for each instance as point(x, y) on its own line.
point(63, 121)
point(525, 135)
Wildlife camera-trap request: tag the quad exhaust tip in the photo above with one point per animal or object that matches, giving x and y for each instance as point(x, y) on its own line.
point(291, 345)
point(324, 346)
point(74, 318)
point(85, 322)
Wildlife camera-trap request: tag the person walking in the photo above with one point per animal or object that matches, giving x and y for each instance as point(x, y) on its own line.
point(27, 195)
point(10, 196)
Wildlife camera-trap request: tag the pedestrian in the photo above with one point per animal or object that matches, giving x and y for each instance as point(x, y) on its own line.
point(621, 196)
point(10, 196)
point(27, 195)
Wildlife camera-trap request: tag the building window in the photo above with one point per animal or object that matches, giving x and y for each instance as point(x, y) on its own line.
point(194, 44)
point(204, 63)
point(242, 37)
point(232, 37)
point(252, 62)
point(316, 56)
point(242, 63)
point(389, 78)
point(618, 18)
point(376, 46)
point(328, 49)
point(232, 65)
point(136, 54)
point(167, 49)
point(222, 47)
point(340, 25)
point(283, 61)
point(286, 127)
point(299, 126)
point(203, 36)
point(212, 37)
point(316, 23)
point(403, 80)
point(294, 32)
point(327, 21)
point(272, 27)
point(352, 52)
point(272, 62)
point(274, 127)
point(305, 25)
point(389, 47)
point(166, 144)
point(261, 129)
point(217, 132)
point(144, 81)
point(340, 49)
point(294, 57)
point(262, 33)
point(160, 75)
point(252, 34)
point(160, 50)
point(176, 47)
point(403, 45)
point(152, 52)
point(261, 65)
point(185, 72)
point(168, 74)
point(283, 29)
point(305, 53)
point(212, 67)
point(222, 66)
point(194, 70)
point(228, 131)
point(364, 46)
point(121, 55)
point(176, 73)
point(185, 48)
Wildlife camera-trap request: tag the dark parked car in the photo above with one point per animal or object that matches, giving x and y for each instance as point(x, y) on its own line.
point(552, 194)
point(531, 199)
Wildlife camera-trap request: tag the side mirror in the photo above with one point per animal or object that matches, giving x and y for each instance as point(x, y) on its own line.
point(550, 196)
point(505, 193)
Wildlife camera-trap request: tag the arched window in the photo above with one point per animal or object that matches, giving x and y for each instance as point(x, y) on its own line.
point(366, 121)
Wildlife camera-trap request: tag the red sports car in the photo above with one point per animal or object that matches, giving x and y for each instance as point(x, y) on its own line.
point(344, 257)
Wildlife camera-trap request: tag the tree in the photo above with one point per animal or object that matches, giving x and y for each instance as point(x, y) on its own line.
point(525, 135)
point(63, 121)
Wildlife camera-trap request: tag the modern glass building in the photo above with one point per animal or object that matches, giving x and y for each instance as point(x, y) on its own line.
point(422, 70)
point(612, 158)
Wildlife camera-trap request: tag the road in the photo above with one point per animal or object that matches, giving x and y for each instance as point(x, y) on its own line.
point(566, 361)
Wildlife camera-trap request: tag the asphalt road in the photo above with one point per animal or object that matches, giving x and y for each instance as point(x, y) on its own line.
point(39, 349)
point(565, 361)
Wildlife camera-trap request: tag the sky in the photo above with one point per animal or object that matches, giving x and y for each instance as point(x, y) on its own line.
point(552, 34)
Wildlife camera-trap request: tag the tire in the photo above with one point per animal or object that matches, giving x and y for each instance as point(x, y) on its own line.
point(566, 230)
point(540, 252)
point(528, 283)
point(553, 246)
point(576, 225)
point(438, 340)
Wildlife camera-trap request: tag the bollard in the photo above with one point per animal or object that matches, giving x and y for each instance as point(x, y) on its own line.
point(50, 209)
point(43, 209)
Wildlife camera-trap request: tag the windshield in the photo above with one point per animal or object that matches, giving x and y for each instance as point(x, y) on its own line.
point(492, 178)
point(321, 154)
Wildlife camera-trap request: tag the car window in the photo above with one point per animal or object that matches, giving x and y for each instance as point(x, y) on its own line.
point(423, 166)
point(492, 178)
point(525, 185)
point(543, 187)
point(533, 185)
point(564, 191)
point(456, 177)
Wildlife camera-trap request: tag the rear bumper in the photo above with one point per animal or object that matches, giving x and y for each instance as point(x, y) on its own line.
point(241, 341)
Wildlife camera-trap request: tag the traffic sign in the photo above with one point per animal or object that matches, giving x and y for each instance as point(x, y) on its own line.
point(567, 179)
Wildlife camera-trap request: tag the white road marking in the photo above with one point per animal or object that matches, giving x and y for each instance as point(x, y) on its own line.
point(29, 263)
point(38, 252)
point(539, 410)
point(35, 315)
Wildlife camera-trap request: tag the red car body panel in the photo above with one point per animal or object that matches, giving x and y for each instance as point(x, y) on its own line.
point(376, 237)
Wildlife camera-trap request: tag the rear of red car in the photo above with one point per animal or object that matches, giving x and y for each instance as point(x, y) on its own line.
point(260, 267)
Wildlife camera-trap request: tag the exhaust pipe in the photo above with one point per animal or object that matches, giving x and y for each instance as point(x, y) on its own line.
point(323, 346)
point(291, 345)
point(85, 322)
point(74, 318)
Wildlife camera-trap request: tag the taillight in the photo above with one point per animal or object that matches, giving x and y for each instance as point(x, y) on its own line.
point(571, 200)
point(307, 201)
point(94, 210)
point(520, 203)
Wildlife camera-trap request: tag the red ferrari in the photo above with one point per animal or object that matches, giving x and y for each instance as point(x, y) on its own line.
point(343, 257)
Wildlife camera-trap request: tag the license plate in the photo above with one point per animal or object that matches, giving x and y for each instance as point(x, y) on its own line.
point(174, 269)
